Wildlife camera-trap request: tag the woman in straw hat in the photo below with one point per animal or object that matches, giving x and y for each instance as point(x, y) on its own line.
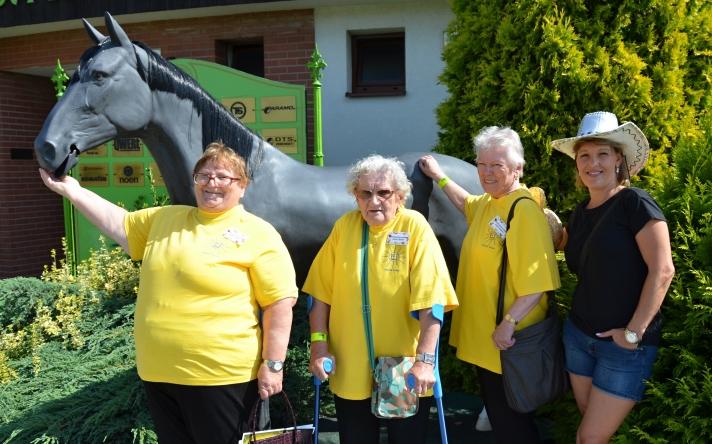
point(619, 248)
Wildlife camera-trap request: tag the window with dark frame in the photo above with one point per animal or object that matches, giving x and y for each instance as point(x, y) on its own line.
point(377, 65)
point(248, 57)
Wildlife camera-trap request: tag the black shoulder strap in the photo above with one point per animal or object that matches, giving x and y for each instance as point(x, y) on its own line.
point(503, 267)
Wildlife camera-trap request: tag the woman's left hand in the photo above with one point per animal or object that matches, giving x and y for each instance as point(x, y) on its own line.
point(268, 382)
point(424, 375)
point(503, 335)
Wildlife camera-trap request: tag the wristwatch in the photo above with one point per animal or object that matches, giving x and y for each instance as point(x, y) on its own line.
point(275, 366)
point(631, 337)
point(427, 358)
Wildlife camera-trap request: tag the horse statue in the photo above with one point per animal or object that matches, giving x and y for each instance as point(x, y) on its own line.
point(124, 89)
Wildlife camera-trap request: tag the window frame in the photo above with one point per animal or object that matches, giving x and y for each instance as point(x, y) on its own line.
point(358, 88)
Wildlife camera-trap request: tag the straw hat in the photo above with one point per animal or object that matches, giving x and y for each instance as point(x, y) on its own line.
point(604, 125)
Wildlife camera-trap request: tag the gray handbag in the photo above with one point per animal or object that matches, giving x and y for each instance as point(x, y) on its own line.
point(533, 369)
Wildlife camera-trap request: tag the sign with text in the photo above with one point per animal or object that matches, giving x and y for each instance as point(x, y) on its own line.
point(241, 107)
point(94, 175)
point(128, 174)
point(128, 147)
point(283, 138)
point(279, 109)
point(99, 151)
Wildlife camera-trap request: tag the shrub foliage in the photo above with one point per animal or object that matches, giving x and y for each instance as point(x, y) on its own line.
point(539, 66)
point(67, 366)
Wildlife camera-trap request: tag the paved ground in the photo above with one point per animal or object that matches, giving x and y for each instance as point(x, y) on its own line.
point(460, 414)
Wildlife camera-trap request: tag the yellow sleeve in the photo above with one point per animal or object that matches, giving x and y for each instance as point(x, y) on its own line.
point(320, 279)
point(532, 260)
point(429, 276)
point(272, 272)
point(138, 225)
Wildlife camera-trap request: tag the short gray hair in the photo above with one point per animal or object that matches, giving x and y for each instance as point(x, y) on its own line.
point(491, 137)
point(375, 164)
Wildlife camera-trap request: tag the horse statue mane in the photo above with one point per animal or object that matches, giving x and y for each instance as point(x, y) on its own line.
point(161, 75)
point(124, 89)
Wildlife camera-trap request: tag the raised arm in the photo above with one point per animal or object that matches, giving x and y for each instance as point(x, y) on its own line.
point(106, 216)
point(454, 192)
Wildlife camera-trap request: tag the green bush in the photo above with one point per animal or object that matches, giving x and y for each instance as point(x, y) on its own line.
point(679, 396)
point(20, 296)
point(55, 391)
point(538, 66)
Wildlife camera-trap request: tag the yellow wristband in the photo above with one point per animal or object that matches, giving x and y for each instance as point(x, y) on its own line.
point(319, 336)
point(442, 182)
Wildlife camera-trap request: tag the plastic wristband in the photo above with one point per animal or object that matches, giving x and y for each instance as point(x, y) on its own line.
point(442, 182)
point(319, 336)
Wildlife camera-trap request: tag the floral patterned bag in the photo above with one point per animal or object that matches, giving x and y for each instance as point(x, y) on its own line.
point(391, 397)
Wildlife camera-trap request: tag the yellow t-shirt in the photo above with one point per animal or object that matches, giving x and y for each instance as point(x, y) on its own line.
point(406, 273)
point(531, 268)
point(203, 280)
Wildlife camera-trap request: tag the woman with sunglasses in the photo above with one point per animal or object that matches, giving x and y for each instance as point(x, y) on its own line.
point(532, 270)
point(207, 273)
point(407, 277)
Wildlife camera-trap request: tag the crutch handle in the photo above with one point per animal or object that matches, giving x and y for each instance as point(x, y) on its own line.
point(328, 366)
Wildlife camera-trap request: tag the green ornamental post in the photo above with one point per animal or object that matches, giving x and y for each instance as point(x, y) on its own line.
point(315, 65)
point(60, 78)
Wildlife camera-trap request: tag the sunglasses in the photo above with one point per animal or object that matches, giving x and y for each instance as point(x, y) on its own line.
point(381, 195)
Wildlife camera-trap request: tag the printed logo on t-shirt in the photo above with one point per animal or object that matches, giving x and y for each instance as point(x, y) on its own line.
point(394, 258)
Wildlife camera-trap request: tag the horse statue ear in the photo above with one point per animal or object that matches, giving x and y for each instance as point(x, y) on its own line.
point(95, 35)
point(116, 33)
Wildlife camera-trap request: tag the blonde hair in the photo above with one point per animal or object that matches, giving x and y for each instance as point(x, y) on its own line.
point(220, 154)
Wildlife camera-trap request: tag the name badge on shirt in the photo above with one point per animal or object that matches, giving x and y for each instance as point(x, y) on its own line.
point(499, 226)
point(232, 234)
point(398, 238)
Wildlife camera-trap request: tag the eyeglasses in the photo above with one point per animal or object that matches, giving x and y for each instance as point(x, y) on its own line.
point(220, 180)
point(491, 166)
point(381, 195)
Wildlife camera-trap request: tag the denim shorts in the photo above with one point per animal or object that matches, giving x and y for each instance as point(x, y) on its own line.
point(615, 370)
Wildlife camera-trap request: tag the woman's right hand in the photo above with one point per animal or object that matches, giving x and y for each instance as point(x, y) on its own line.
point(62, 186)
point(431, 167)
point(319, 354)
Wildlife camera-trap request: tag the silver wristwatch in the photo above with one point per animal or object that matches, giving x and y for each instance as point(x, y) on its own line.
point(631, 337)
point(275, 366)
point(427, 358)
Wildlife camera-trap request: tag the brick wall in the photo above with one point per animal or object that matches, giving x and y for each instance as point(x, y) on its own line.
point(31, 221)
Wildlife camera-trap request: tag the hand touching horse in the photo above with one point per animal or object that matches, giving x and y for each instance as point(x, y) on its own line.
point(123, 89)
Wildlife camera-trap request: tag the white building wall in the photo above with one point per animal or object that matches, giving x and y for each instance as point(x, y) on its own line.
point(354, 127)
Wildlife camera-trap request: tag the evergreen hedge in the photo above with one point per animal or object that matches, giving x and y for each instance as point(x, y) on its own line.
point(539, 66)
point(67, 365)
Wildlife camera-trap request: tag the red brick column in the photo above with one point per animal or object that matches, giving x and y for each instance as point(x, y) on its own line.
point(31, 221)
